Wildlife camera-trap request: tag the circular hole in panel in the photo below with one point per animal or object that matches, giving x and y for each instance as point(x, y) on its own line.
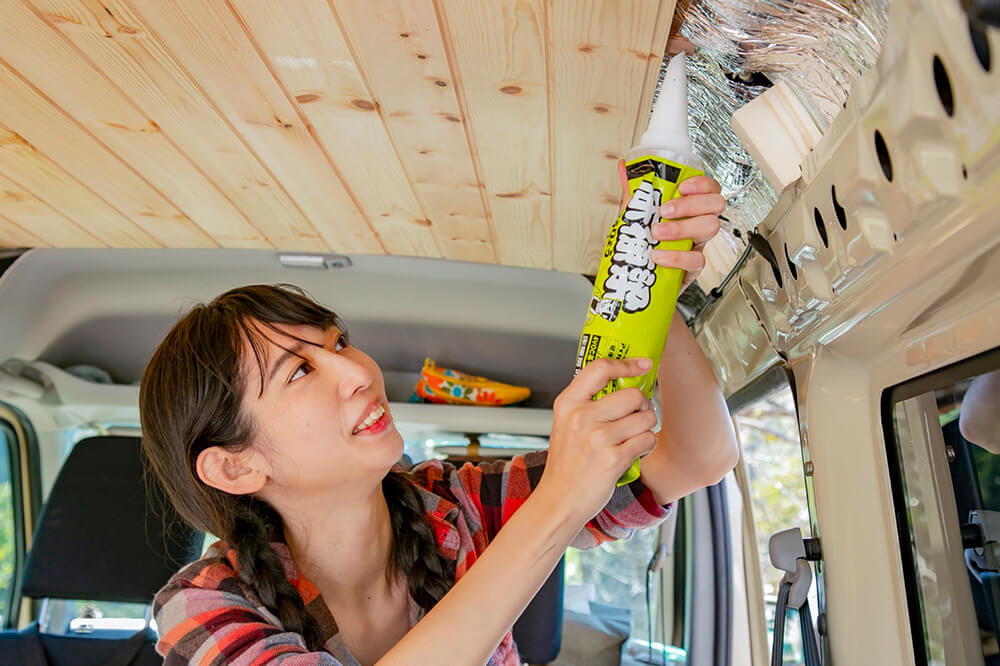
point(821, 227)
point(943, 84)
point(791, 266)
point(882, 151)
point(980, 44)
point(838, 209)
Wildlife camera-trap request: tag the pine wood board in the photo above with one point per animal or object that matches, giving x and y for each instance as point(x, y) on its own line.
point(41, 55)
point(399, 46)
point(212, 45)
point(499, 50)
point(66, 195)
point(334, 100)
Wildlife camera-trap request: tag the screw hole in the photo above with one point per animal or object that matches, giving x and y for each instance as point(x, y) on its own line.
point(943, 85)
point(980, 44)
point(791, 266)
point(821, 227)
point(882, 151)
point(838, 209)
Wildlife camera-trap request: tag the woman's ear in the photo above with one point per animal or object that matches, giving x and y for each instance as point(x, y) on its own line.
point(233, 473)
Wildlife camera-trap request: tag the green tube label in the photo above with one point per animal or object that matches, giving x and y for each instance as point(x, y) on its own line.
point(634, 299)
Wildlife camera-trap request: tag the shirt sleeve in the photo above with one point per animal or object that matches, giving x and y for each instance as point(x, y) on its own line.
point(203, 617)
point(493, 491)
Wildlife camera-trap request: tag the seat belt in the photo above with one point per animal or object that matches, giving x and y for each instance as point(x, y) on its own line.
point(129, 650)
point(788, 553)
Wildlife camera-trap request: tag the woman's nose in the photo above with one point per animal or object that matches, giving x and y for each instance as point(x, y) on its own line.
point(350, 375)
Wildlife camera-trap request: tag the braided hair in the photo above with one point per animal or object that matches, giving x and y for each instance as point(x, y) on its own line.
point(190, 400)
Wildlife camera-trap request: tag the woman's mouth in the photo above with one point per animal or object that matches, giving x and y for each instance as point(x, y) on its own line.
point(376, 422)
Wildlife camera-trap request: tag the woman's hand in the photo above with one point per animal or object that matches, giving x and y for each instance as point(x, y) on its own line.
point(593, 442)
point(693, 215)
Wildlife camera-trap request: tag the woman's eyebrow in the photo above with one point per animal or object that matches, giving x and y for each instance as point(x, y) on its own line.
point(287, 353)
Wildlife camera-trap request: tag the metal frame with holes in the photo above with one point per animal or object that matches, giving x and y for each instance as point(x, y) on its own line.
point(882, 264)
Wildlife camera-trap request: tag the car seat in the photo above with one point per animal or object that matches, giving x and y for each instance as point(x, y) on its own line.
point(100, 537)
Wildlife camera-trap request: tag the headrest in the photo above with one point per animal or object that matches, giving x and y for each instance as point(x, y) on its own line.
point(100, 536)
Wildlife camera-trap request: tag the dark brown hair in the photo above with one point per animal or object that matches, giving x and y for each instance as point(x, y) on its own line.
point(190, 400)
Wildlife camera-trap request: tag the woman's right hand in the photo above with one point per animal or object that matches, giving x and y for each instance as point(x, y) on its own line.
point(593, 442)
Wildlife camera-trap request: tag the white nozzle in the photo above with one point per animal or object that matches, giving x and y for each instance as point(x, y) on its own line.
point(668, 124)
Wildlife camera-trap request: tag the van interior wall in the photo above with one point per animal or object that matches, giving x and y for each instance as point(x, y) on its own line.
point(820, 49)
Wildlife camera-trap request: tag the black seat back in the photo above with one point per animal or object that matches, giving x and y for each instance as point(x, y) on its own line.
point(100, 537)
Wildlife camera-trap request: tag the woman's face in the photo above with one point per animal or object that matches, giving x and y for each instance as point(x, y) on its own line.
point(323, 420)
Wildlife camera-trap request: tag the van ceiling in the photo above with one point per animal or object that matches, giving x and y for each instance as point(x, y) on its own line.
point(474, 131)
point(110, 308)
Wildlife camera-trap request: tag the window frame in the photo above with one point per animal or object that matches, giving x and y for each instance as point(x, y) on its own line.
point(22, 456)
point(775, 378)
point(927, 382)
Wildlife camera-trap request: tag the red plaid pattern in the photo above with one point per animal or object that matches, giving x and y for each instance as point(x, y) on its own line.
point(206, 615)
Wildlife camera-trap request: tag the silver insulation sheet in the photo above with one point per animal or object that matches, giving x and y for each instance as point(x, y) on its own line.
point(820, 48)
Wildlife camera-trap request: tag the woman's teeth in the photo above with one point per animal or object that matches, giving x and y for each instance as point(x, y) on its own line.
point(374, 416)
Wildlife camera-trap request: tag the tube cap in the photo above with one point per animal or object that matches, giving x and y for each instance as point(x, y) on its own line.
point(668, 124)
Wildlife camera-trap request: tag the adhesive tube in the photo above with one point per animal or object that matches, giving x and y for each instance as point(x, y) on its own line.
point(634, 299)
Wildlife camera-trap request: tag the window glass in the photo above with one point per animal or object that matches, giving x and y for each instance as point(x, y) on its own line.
point(944, 450)
point(95, 619)
point(8, 527)
point(769, 434)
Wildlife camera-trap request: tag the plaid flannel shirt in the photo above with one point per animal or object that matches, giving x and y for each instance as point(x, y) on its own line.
point(206, 615)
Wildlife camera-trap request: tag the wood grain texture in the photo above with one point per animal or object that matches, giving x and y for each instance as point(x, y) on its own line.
point(32, 214)
point(599, 56)
point(13, 235)
point(67, 79)
point(333, 98)
point(50, 183)
point(400, 50)
point(654, 62)
point(113, 37)
point(499, 51)
point(56, 134)
point(213, 46)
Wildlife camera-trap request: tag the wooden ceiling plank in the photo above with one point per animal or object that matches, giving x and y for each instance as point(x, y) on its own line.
point(57, 188)
point(33, 214)
point(661, 35)
point(13, 235)
point(499, 51)
point(600, 50)
point(335, 100)
point(211, 44)
point(401, 52)
point(54, 133)
point(66, 77)
point(113, 37)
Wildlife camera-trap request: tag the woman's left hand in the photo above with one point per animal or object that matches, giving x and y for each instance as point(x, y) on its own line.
point(694, 215)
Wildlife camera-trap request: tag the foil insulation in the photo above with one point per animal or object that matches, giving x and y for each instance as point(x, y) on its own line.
point(820, 48)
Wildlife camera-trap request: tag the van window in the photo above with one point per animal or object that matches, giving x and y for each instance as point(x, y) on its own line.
point(944, 459)
point(769, 434)
point(8, 524)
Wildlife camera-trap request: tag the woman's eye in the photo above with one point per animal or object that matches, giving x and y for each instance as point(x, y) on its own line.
point(341, 343)
point(300, 371)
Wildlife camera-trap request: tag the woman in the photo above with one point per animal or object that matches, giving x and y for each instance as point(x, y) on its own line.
point(270, 430)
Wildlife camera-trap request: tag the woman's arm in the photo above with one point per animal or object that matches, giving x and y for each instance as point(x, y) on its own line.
point(696, 445)
point(592, 444)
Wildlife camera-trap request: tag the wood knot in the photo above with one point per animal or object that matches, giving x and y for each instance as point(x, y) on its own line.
point(305, 98)
point(404, 35)
point(422, 222)
point(585, 48)
point(511, 90)
point(510, 195)
point(599, 108)
point(611, 156)
point(421, 56)
point(451, 118)
point(440, 83)
point(128, 30)
point(362, 105)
